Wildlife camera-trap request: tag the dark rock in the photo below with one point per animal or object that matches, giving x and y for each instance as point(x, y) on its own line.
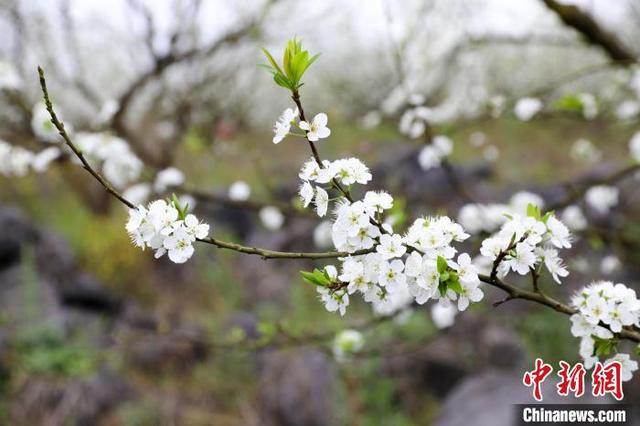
point(87, 293)
point(177, 350)
point(488, 398)
point(443, 363)
point(297, 387)
point(15, 232)
point(78, 402)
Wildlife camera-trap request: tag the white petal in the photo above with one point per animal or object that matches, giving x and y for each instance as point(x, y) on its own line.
point(304, 125)
point(321, 119)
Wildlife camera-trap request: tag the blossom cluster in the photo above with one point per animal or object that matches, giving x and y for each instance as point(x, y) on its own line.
point(344, 171)
point(433, 153)
point(604, 308)
point(16, 161)
point(415, 267)
point(524, 242)
point(165, 228)
point(398, 269)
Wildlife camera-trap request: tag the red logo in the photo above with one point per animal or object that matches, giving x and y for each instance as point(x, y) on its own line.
point(605, 379)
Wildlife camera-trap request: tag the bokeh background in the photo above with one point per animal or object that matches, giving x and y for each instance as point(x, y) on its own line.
point(95, 332)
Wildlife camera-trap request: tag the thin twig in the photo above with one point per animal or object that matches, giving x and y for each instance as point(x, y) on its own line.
point(264, 253)
point(493, 280)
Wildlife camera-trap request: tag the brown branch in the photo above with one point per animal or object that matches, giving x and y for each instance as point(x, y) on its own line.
point(314, 150)
point(164, 62)
point(592, 32)
point(60, 126)
point(518, 293)
point(264, 253)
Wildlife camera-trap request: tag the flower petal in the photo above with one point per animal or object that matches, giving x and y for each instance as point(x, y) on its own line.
point(321, 119)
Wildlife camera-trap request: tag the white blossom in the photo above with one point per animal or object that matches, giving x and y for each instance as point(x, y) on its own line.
point(179, 246)
point(559, 233)
point(159, 228)
point(628, 365)
point(271, 217)
point(602, 198)
point(634, 147)
point(443, 315)
point(42, 159)
point(391, 246)
point(42, 126)
point(283, 126)
point(334, 300)
point(239, 191)
point(574, 218)
point(317, 129)
point(138, 193)
point(9, 77)
point(526, 108)
point(432, 154)
point(167, 178)
point(610, 264)
point(347, 342)
point(322, 201)
point(584, 150)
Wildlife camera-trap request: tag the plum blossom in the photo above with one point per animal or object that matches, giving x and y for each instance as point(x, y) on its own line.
point(239, 191)
point(271, 217)
point(283, 126)
point(347, 342)
point(391, 246)
point(574, 218)
point(604, 304)
point(526, 108)
point(179, 246)
point(306, 193)
point(159, 227)
point(602, 198)
point(432, 154)
point(334, 300)
point(167, 178)
point(628, 365)
point(634, 147)
point(322, 201)
point(317, 129)
point(443, 314)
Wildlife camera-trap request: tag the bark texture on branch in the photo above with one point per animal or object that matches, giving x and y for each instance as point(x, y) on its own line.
point(593, 33)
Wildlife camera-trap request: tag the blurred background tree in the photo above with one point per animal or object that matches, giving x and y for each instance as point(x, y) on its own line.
point(94, 332)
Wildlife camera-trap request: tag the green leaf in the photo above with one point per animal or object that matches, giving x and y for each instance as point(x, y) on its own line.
point(283, 81)
point(604, 347)
point(295, 61)
point(442, 288)
point(571, 103)
point(182, 211)
point(533, 211)
point(454, 284)
point(546, 217)
point(442, 265)
point(317, 277)
point(273, 62)
point(269, 68)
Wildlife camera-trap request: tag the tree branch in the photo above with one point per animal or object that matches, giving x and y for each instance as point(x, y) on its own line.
point(593, 33)
point(264, 253)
